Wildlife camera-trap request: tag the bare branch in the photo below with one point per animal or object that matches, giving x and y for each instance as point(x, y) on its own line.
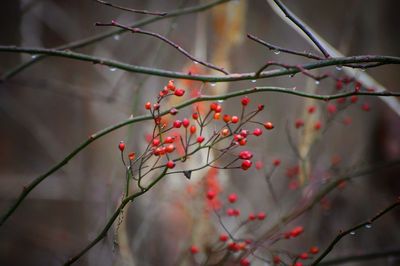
point(146, 12)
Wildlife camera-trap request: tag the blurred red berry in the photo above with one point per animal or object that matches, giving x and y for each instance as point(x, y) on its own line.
point(121, 146)
point(232, 198)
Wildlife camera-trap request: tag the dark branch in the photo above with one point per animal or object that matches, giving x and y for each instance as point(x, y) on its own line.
point(146, 12)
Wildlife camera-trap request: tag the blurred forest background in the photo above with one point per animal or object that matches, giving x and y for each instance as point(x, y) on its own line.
point(52, 106)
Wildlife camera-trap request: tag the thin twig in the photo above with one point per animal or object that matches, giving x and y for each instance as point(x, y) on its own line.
point(352, 229)
point(160, 37)
point(139, 11)
point(298, 23)
point(368, 256)
point(284, 50)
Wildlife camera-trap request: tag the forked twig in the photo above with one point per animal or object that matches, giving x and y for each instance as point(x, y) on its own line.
point(139, 11)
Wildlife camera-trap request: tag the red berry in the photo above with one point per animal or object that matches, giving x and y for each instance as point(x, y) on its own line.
point(245, 101)
point(276, 162)
point(298, 263)
point(232, 246)
point(252, 217)
point(341, 100)
point(261, 216)
point(277, 260)
point(156, 106)
point(185, 122)
point(244, 133)
point(177, 123)
point(314, 250)
point(194, 249)
point(179, 92)
point(245, 155)
point(169, 139)
point(226, 118)
point(268, 125)
point(299, 123)
point(260, 107)
point(357, 86)
point(195, 116)
point(339, 84)
point(365, 107)
point(155, 142)
point(131, 156)
point(170, 148)
point(246, 164)
point(171, 85)
point(213, 106)
point(230, 212)
point(317, 125)
point(200, 139)
point(331, 108)
point(147, 106)
point(353, 99)
point(121, 146)
point(257, 132)
point(218, 108)
point(236, 212)
point(245, 262)
point(170, 164)
point(243, 142)
point(259, 165)
point(223, 237)
point(211, 194)
point(303, 256)
point(232, 198)
point(192, 129)
point(296, 231)
point(234, 119)
point(311, 109)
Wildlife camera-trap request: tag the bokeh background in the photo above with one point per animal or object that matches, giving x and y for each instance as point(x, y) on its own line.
point(52, 106)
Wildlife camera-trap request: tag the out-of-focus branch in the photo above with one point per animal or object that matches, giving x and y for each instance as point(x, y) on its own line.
point(99, 37)
point(164, 39)
point(206, 78)
point(299, 24)
point(27, 189)
point(352, 229)
point(139, 11)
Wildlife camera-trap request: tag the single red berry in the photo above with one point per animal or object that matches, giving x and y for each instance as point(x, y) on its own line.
point(232, 246)
point(243, 142)
point(232, 198)
point(171, 85)
point(200, 139)
point(225, 132)
point(317, 125)
point(331, 108)
point(339, 84)
point(259, 165)
point(169, 139)
point(246, 164)
point(192, 129)
point(311, 109)
point(177, 123)
point(298, 263)
point(236, 212)
point(213, 106)
point(314, 250)
point(245, 155)
point(156, 142)
point(276, 162)
point(260, 107)
point(218, 108)
point(147, 106)
point(257, 132)
point(252, 217)
point(194, 249)
point(357, 86)
point(245, 101)
point(365, 107)
point(296, 231)
point(170, 148)
point(226, 118)
point(299, 123)
point(131, 156)
point(223, 237)
point(303, 256)
point(245, 262)
point(156, 106)
point(185, 122)
point(230, 212)
point(211, 194)
point(234, 119)
point(277, 260)
point(195, 116)
point(179, 92)
point(170, 164)
point(173, 111)
point(244, 133)
point(268, 125)
point(121, 146)
point(261, 216)
point(217, 116)
point(353, 99)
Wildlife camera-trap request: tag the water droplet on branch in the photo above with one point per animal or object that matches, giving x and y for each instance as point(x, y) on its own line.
point(277, 52)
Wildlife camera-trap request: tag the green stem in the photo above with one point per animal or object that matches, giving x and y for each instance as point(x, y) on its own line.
point(205, 78)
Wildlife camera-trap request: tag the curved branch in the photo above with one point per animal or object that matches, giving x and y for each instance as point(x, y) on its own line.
point(27, 189)
point(206, 78)
point(368, 256)
point(348, 231)
point(160, 37)
point(102, 36)
point(139, 11)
